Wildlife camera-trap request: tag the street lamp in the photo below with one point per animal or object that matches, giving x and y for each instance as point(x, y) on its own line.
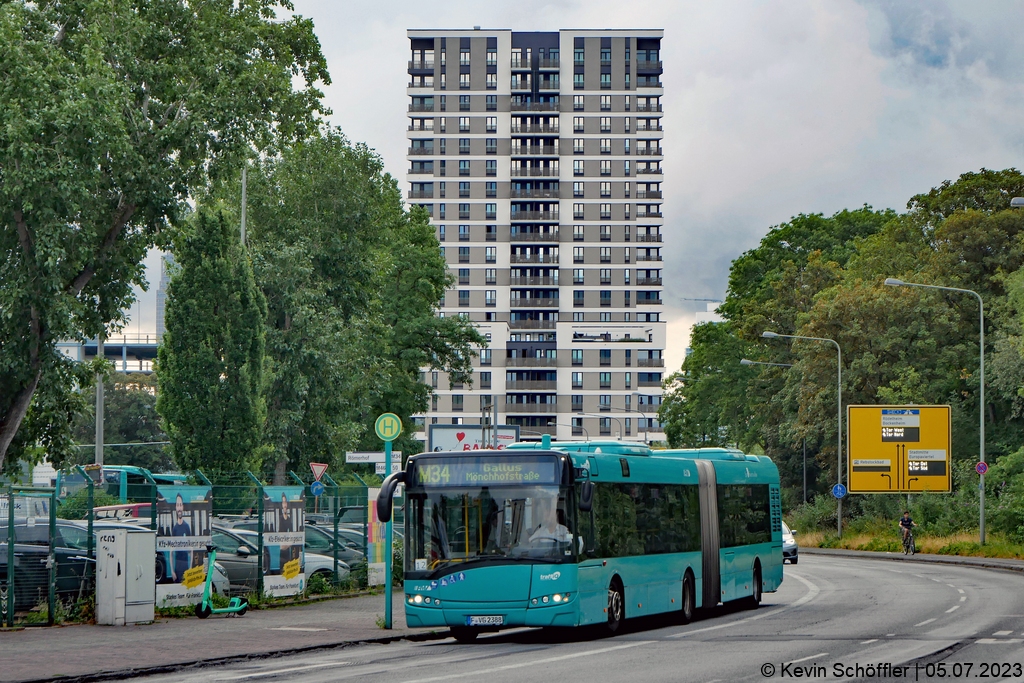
point(744, 361)
point(622, 432)
point(585, 432)
point(839, 412)
point(646, 422)
point(893, 282)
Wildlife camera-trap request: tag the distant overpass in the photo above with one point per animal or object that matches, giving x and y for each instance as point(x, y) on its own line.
point(128, 353)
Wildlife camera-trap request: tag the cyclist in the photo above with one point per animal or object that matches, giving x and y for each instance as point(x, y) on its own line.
point(906, 524)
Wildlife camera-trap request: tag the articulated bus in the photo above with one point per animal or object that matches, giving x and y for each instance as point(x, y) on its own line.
point(584, 533)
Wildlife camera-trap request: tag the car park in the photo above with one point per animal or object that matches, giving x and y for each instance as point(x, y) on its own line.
point(237, 551)
point(319, 540)
point(789, 546)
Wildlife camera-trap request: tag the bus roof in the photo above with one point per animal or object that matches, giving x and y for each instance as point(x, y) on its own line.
point(607, 447)
point(710, 454)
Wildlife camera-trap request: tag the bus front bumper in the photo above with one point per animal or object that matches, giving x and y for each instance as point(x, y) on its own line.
point(511, 614)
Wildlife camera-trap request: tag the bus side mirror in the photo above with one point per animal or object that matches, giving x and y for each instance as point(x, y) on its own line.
point(387, 493)
point(586, 496)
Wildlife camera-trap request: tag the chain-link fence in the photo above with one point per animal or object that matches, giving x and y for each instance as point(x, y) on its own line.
point(38, 569)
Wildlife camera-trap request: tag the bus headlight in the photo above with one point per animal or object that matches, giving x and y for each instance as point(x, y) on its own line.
point(557, 598)
point(418, 599)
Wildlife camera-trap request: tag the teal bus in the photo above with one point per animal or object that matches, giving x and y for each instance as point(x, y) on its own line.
point(583, 533)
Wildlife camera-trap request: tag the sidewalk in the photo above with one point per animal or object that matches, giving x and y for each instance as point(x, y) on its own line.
point(89, 652)
point(986, 562)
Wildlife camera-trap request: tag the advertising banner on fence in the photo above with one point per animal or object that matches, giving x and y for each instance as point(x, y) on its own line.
point(375, 542)
point(469, 437)
point(183, 516)
point(284, 536)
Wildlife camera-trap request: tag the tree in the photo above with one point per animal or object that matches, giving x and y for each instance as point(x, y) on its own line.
point(129, 416)
point(211, 357)
point(115, 110)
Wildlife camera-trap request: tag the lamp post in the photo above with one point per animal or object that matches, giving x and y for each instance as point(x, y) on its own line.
point(839, 412)
point(646, 421)
point(580, 426)
point(621, 430)
point(893, 282)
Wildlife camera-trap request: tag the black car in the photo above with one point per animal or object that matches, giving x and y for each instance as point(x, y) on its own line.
point(31, 554)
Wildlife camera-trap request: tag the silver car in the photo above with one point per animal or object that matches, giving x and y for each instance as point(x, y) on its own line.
point(789, 546)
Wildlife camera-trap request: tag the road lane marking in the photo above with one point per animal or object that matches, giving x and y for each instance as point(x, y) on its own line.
point(804, 659)
point(1002, 633)
point(926, 621)
point(963, 598)
point(992, 641)
point(889, 635)
point(812, 592)
point(295, 628)
point(960, 590)
point(278, 672)
point(951, 585)
point(953, 609)
point(520, 665)
point(867, 642)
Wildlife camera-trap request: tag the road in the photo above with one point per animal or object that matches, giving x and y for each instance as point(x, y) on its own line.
point(830, 611)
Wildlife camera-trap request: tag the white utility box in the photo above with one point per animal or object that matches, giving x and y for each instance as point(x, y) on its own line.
point(125, 576)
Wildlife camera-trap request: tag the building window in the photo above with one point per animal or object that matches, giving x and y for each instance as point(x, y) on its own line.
point(577, 146)
point(485, 356)
point(577, 211)
point(577, 380)
point(492, 124)
point(577, 276)
point(491, 146)
point(463, 230)
point(464, 58)
point(464, 167)
point(605, 401)
point(606, 211)
point(491, 211)
point(463, 254)
point(627, 123)
point(606, 297)
point(577, 317)
point(606, 380)
point(577, 233)
point(577, 81)
point(606, 167)
point(485, 381)
point(464, 124)
point(577, 189)
point(464, 189)
point(606, 146)
point(606, 81)
point(578, 297)
point(463, 145)
point(577, 357)
point(606, 189)
point(457, 402)
point(577, 102)
point(606, 276)
point(491, 189)
point(433, 379)
point(490, 276)
point(490, 297)
point(463, 276)
point(577, 56)
point(606, 254)
point(629, 383)
point(433, 403)
point(577, 167)
point(463, 297)
point(490, 254)
point(606, 124)
point(577, 254)
point(577, 124)
point(492, 81)
point(491, 166)
point(490, 232)
point(492, 103)
point(463, 215)
point(440, 233)
point(606, 102)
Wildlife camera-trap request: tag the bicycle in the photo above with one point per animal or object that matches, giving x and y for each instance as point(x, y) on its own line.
point(908, 543)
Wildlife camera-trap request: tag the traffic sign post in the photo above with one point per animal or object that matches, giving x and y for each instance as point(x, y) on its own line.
point(899, 449)
point(839, 492)
point(318, 469)
point(981, 468)
point(388, 426)
point(317, 488)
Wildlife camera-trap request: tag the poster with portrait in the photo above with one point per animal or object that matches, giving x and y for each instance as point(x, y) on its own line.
point(183, 517)
point(284, 536)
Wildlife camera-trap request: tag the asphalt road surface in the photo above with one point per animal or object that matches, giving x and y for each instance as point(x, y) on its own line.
point(832, 615)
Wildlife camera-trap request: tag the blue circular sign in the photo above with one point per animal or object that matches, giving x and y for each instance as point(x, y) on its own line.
point(317, 488)
point(839, 491)
point(981, 468)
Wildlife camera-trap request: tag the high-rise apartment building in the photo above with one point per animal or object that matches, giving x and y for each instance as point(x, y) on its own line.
point(539, 158)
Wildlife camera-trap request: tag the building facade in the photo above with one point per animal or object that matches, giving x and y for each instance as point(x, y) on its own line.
point(539, 159)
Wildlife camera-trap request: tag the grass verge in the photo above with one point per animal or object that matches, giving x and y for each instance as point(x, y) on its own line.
point(963, 545)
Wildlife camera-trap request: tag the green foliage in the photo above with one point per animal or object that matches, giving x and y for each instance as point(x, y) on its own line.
point(318, 584)
point(115, 111)
point(211, 355)
point(129, 416)
point(76, 506)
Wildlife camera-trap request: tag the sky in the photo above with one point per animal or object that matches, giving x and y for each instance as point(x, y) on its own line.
point(772, 108)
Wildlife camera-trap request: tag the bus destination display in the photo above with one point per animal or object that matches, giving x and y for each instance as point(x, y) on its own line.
point(486, 472)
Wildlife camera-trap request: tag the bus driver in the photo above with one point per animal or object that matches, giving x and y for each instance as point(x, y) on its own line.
point(549, 529)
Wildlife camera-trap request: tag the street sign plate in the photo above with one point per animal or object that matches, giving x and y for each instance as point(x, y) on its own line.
point(898, 449)
point(318, 469)
point(388, 426)
point(981, 468)
point(366, 457)
point(839, 491)
point(378, 467)
point(317, 488)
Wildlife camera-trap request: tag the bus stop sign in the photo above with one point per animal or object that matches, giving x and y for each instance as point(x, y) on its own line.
point(388, 426)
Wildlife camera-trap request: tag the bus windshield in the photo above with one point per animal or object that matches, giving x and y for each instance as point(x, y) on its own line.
point(454, 526)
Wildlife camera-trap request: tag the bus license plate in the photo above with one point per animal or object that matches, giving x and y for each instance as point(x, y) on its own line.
point(485, 621)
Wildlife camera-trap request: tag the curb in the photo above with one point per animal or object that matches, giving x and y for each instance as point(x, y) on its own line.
point(123, 674)
point(1003, 564)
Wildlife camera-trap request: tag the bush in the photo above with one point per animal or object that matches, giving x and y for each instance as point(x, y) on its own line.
point(318, 584)
point(817, 515)
point(76, 506)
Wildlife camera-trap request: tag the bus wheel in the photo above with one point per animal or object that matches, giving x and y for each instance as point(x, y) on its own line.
point(616, 606)
point(688, 602)
point(465, 634)
point(755, 597)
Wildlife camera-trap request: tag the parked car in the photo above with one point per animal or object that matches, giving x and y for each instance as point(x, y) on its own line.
point(237, 551)
point(319, 540)
point(789, 546)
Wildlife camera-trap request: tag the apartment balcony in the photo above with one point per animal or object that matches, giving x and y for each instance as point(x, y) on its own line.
point(650, 362)
point(548, 86)
point(532, 324)
point(644, 129)
point(648, 302)
point(531, 362)
point(649, 383)
point(649, 152)
point(534, 106)
point(531, 385)
point(521, 64)
point(535, 194)
point(421, 171)
point(548, 63)
point(420, 194)
point(534, 172)
point(650, 214)
point(531, 408)
point(535, 128)
point(648, 281)
point(534, 282)
point(414, 151)
point(421, 66)
point(536, 150)
point(421, 107)
point(645, 65)
point(648, 194)
point(534, 237)
point(534, 216)
point(648, 107)
point(533, 303)
point(648, 258)
point(649, 171)
point(533, 258)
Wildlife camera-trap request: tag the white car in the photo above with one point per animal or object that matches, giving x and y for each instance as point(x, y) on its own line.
point(789, 546)
point(315, 564)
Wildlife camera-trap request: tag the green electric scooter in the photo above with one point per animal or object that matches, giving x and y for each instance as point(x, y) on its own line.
point(205, 608)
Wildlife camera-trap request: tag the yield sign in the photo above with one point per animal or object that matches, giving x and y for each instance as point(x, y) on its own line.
point(318, 469)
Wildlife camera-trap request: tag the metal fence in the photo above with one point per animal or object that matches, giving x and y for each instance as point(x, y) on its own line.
point(36, 569)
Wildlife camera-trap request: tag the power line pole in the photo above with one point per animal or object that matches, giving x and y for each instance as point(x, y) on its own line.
point(99, 402)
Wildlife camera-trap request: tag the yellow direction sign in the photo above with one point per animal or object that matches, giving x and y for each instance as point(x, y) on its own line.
point(898, 449)
point(388, 426)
